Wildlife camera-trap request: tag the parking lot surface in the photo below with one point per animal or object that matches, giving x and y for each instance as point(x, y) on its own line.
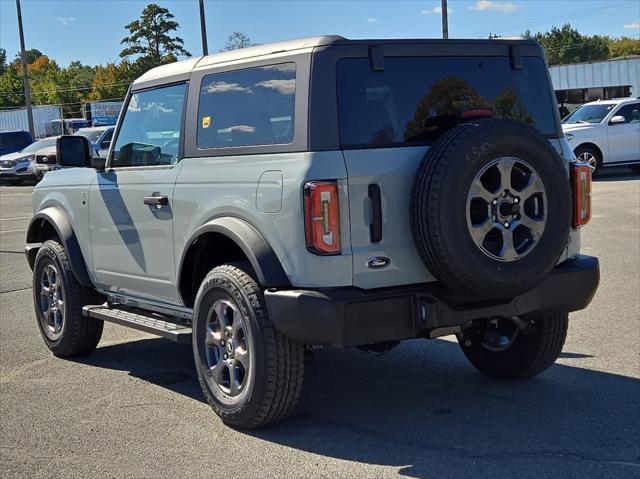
point(134, 408)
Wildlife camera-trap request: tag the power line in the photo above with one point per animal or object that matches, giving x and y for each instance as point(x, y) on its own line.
point(64, 104)
point(69, 89)
point(525, 25)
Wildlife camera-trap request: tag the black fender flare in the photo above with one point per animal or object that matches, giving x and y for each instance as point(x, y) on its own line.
point(264, 261)
point(62, 226)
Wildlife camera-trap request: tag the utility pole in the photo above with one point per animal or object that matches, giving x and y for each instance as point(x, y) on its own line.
point(203, 29)
point(445, 20)
point(25, 73)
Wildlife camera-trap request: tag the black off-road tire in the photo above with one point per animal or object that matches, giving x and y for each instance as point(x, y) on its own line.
point(276, 375)
point(80, 335)
point(439, 202)
point(531, 353)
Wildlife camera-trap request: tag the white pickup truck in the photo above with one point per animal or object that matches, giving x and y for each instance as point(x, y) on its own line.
point(605, 133)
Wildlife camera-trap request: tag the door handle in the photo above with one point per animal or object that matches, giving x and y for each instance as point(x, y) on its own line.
point(375, 228)
point(156, 200)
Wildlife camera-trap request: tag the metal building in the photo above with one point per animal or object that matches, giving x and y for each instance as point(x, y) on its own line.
point(16, 119)
point(582, 82)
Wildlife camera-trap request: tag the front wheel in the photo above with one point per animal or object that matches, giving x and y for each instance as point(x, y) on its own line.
point(591, 156)
point(58, 298)
point(515, 348)
point(250, 373)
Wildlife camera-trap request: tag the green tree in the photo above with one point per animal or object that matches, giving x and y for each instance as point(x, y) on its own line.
point(32, 55)
point(112, 80)
point(566, 45)
point(448, 97)
point(11, 88)
point(238, 40)
point(507, 104)
point(624, 46)
point(3, 61)
point(150, 37)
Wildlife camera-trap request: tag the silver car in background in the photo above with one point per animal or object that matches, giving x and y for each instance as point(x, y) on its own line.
point(99, 137)
point(16, 168)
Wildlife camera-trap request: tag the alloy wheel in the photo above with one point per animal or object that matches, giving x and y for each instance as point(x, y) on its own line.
point(506, 209)
point(227, 348)
point(51, 302)
point(590, 159)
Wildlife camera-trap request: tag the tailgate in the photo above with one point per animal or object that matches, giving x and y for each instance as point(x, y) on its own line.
point(393, 171)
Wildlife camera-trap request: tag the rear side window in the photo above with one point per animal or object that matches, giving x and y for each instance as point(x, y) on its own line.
point(631, 113)
point(15, 141)
point(247, 107)
point(416, 99)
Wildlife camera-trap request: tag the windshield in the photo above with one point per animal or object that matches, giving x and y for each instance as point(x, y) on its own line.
point(40, 144)
point(91, 135)
point(588, 114)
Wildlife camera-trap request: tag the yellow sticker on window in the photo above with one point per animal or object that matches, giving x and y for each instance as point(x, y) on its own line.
point(206, 121)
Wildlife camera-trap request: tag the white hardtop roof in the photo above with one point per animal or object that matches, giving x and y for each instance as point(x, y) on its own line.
point(180, 71)
point(183, 68)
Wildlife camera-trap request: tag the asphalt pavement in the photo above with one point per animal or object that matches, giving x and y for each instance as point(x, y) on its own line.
point(133, 408)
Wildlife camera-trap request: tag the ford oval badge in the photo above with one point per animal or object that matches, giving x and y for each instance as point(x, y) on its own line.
point(377, 262)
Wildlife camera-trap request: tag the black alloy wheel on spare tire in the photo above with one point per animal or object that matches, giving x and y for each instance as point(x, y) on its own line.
point(491, 208)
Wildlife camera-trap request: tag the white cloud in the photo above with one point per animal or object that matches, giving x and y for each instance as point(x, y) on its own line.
point(372, 20)
point(284, 87)
point(632, 26)
point(435, 11)
point(224, 87)
point(505, 7)
point(66, 21)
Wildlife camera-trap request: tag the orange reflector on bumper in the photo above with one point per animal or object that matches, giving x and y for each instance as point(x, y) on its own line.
point(581, 181)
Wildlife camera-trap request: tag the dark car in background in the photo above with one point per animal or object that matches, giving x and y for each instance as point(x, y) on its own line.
point(12, 141)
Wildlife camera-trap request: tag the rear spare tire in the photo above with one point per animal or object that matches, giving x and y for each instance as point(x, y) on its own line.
point(491, 208)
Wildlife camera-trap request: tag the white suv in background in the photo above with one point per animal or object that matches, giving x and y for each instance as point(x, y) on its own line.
point(605, 133)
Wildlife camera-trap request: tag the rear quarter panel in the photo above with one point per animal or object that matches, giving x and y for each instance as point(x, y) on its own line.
point(211, 187)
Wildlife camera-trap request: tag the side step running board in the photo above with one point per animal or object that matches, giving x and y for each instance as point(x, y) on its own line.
point(167, 327)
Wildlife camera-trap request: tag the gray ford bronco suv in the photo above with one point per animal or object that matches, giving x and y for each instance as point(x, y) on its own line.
point(265, 202)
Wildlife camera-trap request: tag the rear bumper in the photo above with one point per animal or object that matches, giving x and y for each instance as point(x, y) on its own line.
point(352, 316)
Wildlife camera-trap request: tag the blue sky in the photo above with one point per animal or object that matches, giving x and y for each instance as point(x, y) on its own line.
point(90, 30)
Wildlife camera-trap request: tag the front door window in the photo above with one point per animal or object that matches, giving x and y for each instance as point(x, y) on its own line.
point(150, 131)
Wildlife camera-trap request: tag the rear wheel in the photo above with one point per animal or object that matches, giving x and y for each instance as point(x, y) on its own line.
point(515, 348)
point(250, 373)
point(591, 156)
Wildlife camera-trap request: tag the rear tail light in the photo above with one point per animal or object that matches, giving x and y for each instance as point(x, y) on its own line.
point(322, 217)
point(581, 180)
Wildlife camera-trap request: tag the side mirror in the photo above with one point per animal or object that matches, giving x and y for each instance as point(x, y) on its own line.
point(617, 119)
point(105, 144)
point(98, 163)
point(73, 151)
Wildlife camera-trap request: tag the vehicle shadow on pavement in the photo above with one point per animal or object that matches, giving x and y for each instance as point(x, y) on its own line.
point(616, 173)
point(423, 410)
